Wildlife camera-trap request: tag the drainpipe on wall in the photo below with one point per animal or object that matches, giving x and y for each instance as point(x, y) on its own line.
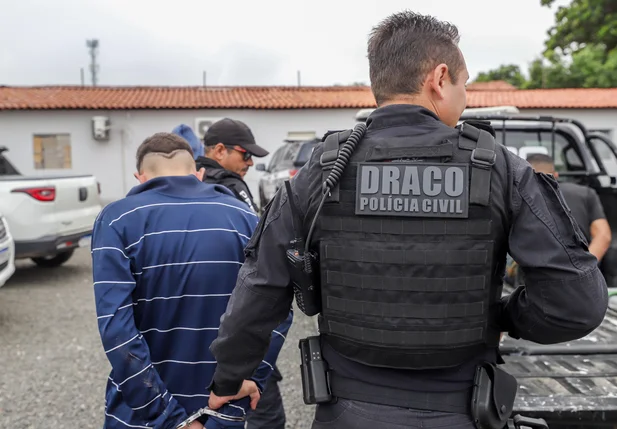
point(125, 136)
point(123, 160)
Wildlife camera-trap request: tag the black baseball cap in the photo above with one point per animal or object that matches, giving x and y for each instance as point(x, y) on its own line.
point(232, 132)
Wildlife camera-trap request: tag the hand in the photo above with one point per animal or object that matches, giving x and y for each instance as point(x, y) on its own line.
point(249, 388)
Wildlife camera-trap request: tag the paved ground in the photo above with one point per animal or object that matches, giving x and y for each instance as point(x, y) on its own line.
point(52, 367)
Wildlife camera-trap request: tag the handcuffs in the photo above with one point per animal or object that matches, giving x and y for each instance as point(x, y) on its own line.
point(209, 412)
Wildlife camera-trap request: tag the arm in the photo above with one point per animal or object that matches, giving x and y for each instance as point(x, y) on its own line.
point(133, 373)
point(266, 367)
point(565, 295)
point(599, 229)
point(260, 301)
point(260, 377)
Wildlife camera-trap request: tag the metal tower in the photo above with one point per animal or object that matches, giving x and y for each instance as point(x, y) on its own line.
point(93, 46)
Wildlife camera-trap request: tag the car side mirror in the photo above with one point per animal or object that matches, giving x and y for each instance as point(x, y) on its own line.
point(260, 167)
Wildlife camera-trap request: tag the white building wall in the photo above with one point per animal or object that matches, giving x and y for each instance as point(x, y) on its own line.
point(113, 162)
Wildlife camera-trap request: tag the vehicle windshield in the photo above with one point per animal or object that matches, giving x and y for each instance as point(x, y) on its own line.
point(304, 154)
point(6, 168)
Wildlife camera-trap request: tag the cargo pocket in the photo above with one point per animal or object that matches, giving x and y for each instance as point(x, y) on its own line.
point(566, 224)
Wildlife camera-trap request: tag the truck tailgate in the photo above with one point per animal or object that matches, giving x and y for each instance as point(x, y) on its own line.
point(566, 390)
point(39, 208)
point(77, 204)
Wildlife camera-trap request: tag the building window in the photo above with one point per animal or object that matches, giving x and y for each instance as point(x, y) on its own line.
point(52, 151)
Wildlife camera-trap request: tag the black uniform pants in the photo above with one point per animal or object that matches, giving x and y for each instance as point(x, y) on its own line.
point(270, 413)
point(346, 413)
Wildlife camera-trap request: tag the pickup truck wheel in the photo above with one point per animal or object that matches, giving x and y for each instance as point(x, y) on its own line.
point(53, 261)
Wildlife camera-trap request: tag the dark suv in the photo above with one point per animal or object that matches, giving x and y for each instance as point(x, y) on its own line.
point(285, 163)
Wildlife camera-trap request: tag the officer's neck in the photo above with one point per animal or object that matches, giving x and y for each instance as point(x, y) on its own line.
point(411, 100)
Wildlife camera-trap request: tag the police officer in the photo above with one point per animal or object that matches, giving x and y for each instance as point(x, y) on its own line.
point(410, 248)
point(229, 150)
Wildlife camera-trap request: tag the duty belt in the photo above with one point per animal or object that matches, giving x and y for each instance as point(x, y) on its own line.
point(447, 402)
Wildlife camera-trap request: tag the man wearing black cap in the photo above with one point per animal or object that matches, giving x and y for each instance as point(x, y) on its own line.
point(230, 146)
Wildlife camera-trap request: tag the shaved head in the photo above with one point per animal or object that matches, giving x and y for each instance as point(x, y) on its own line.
point(160, 163)
point(165, 154)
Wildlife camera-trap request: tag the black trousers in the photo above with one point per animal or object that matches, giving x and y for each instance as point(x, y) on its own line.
point(346, 413)
point(270, 413)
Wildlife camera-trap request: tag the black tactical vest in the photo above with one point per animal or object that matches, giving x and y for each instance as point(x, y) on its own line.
point(407, 252)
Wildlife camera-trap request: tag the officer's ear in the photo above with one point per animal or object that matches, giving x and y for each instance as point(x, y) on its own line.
point(438, 79)
point(218, 151)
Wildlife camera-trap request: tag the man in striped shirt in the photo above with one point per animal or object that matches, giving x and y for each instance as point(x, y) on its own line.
point(165, 261)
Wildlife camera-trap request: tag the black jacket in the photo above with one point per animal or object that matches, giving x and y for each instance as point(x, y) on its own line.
point(561, 273)
point(215, 173)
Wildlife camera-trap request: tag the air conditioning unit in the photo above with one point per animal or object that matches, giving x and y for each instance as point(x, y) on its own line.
point(202, 125)
point(101, 125)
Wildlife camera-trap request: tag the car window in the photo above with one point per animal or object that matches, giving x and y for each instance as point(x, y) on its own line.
point(289, 154)
point(606, 155)
point(524, 143)
point(6, 168)
point(305, 153)
point(276, 158)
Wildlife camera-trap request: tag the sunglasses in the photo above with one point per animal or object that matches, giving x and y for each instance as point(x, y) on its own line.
point(245, 154)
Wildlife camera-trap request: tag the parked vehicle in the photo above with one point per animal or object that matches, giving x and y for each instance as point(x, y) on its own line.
point(7, 252)
point(49, 216)
point(284, 164)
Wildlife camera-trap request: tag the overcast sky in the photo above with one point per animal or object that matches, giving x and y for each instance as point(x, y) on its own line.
point(241, 42)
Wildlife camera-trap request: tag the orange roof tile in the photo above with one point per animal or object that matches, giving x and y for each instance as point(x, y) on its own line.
point(495, 85)
point(354, 97)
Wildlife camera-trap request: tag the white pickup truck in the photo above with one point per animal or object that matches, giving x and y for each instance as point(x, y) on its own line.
point(49, 216)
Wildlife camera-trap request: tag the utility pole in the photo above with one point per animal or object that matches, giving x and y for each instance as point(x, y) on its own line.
point(93, 46)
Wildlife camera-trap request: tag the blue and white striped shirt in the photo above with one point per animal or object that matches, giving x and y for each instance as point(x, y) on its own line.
point(165, 261)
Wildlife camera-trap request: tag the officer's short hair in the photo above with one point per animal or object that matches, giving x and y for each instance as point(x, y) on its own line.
point(404, 48)
point(163, 143)
point(540, 158)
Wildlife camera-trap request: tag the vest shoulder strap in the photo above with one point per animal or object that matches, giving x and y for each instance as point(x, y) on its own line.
point(483, 156)
point(329, 156)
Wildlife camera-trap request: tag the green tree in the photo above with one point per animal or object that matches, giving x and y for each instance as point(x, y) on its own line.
point(510, 73)
point(589, 67)
point(581, 50)
point(581, 23)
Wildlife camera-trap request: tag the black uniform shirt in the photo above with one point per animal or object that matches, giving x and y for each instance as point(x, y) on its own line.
point(585, 205)
point(543, 237)
point(215, 173)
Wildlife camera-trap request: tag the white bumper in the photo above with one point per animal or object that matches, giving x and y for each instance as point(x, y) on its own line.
point(7, 257)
